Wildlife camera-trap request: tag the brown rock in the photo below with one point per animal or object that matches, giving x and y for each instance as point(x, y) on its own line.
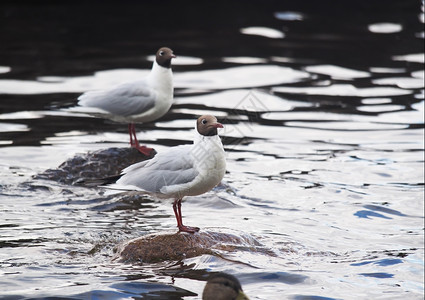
point(177, 246)
point(94, 165)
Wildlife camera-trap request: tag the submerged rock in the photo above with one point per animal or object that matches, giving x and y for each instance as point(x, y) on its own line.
point(92, 165)
point(177, 246)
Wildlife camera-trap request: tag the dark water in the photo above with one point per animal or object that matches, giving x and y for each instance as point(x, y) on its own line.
point(322, 103)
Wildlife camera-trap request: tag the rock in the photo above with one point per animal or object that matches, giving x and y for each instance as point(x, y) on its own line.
point(177, 246)
point(92, 165)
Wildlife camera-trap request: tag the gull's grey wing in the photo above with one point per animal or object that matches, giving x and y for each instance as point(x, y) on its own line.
point(124, 100)
point(173, 167)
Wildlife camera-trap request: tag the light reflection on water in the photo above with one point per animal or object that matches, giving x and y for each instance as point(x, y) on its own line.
point(324, 168)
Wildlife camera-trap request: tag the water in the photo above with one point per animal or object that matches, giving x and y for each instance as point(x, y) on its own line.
point(323, 108)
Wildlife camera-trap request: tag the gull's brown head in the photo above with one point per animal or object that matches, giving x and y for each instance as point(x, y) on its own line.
point(164, 56)
point(207, 125)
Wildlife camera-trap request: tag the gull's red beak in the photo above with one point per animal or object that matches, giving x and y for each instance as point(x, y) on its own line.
point(218, 125)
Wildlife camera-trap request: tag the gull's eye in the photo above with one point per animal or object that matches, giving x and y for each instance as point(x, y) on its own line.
point(161, 53)
point(204, 121)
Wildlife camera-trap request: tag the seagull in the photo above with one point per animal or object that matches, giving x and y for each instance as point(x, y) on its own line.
point(139, 101)
point(185, 170)
point(222, 286)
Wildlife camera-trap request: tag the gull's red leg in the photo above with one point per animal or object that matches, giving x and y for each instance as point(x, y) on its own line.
point(135, 143)
point(134, 137)
point(180, 225)
point(176, 213)
point(130, 125)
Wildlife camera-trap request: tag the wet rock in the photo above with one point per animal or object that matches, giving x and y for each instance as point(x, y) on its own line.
point(92, 165)
point(177, 246)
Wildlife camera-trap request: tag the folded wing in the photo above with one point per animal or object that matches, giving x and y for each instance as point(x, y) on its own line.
point(169, 168)
point(124, 100)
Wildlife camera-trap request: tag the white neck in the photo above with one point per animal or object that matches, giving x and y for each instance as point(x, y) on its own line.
point(214, 139)
point(208, 155)
point(160, 75)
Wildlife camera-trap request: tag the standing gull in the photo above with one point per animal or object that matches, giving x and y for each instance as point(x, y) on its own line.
point(139, 101)
point(186, 170)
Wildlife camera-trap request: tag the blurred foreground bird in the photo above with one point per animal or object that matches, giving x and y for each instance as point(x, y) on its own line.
point(186, 170)
point(222, 286)
point(139, 101)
